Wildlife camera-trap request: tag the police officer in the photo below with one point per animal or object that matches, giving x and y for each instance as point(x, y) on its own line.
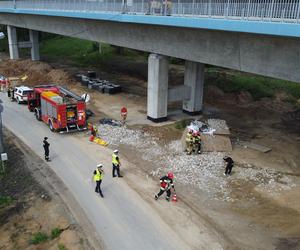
point(116, 164)
point(229, 165)
point(166, 183)
point(98, 176)
point(46, 146)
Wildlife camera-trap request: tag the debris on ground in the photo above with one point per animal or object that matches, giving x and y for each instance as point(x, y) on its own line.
point(203, 171)
point(111, 122)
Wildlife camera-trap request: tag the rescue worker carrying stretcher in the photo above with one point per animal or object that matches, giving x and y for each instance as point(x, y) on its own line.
point(189, 142)
point(166, 183)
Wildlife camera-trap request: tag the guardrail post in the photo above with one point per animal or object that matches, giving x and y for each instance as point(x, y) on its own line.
point(271, 10)
point(227, 9)
point(248, 10)
point(298, 13)
point(193, 7)
point(209, 8)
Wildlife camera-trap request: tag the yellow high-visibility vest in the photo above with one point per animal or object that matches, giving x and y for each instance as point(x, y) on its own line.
point(98, 176)
point(114, 159)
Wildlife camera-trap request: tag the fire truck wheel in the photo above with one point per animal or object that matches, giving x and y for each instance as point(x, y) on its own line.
point(51, 126)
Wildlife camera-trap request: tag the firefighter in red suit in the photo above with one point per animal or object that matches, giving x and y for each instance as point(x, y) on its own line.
point(166, 183)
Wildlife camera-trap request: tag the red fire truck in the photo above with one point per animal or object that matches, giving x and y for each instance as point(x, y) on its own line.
point(61, 109)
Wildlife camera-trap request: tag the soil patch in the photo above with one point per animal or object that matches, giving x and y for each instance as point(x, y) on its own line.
point(29, 205)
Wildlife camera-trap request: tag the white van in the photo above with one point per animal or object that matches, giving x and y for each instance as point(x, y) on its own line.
point(20, 93)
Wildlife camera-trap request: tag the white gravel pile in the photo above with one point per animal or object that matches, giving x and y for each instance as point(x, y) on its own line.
point(204, 171)
point(217, 124)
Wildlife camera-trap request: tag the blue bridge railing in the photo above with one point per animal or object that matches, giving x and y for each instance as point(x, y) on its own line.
point(256, 10)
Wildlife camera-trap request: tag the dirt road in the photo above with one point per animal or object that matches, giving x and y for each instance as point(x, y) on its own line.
point(122, 219)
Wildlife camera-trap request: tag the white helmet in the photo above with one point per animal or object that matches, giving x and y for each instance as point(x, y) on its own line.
point(116, 151)
point(99, 165)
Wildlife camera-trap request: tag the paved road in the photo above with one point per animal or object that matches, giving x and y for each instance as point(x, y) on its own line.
point(122, 219)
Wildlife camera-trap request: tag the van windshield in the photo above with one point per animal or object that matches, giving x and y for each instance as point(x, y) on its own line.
point(26, 92)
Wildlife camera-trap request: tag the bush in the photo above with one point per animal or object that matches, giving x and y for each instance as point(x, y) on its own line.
point(55, 233)
point(39, 238)
point(61, 246)
point(182, 123)
point(258, 86)
point(5, 201)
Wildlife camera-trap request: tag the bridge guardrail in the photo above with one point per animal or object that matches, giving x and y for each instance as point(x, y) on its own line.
point(258, 10)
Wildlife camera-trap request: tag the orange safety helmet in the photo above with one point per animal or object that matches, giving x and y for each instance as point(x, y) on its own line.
point(170, 175)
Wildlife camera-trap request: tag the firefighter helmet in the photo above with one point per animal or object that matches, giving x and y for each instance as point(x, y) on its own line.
point(170, 175)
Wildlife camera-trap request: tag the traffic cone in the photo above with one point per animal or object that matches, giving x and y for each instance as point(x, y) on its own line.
point(174, 198)
point(92, 138)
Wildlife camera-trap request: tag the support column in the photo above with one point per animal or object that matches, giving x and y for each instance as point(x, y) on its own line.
point(157, 100)
point(34, 39)
point(12, 42)
point(194, 79)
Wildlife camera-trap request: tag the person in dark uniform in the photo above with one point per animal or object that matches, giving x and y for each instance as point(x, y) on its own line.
point(46, 146)
point(98, 176)
point(229, 165)
point(166, 183)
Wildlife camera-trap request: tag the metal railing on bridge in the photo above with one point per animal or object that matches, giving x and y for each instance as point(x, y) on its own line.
point(257, 10)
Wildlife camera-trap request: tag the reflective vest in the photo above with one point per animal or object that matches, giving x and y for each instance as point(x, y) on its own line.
point(98, 176)
point(189, 137)
point(197, 139)
point(114, 159)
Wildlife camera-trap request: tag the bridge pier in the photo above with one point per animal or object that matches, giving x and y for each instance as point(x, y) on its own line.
point(34, 39)
point(157, 97)
point(14, 45)
point(12, 42)
point(194, 80)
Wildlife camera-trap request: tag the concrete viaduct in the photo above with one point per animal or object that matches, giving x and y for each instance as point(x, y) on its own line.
point(260, 47)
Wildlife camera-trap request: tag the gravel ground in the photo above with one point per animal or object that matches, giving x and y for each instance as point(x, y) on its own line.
point(203, 171)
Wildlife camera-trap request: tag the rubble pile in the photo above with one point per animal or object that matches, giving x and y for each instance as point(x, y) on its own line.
point(217, 124)
point(204, 171)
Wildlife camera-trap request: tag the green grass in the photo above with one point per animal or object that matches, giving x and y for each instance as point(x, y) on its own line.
point(62, 246)
point(182, 124)
point(257, 86)
point(5, 201)
point(39, 238)
point(55, 232)
point(83, 52)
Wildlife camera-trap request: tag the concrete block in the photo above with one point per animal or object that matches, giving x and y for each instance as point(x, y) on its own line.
point(179, 93)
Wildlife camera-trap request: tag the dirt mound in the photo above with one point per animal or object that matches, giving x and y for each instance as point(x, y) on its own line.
point(59, 76)
point(37, 72)
point(213, 93)
point(41, 67)
point(244, 97)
